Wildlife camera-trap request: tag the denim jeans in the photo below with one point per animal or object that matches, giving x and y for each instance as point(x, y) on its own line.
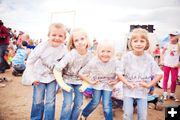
point(128, 108)
point(106, 100)
point(19, 68)
point(38, 105)
point(71, 108)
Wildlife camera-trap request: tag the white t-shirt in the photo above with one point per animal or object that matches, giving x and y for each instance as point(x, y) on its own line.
point(171, 55)
point(43, 59)
point(71, 64)
point(136, 69)
point(103, 72)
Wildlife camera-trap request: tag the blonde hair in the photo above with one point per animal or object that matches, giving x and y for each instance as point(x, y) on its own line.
point(105, 43)
point(139, 32)
point(58, 26)
point(26, 37)
point(70, 44)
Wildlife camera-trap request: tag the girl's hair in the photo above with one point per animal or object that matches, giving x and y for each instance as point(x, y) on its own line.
point(58, 26)
point(139, 32)
point(70, 44)
point(105, 43)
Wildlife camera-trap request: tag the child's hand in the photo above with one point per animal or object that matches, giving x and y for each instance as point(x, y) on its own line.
point(84, 86)
point(144, 84)
point(67, 88)
point(130, 85)
point(178, 65)
point(94, 82)
point(36, 82)
point(112, 82)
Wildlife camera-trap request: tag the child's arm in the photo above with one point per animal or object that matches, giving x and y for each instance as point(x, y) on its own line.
point(152, 83)
point(86, 82)
point(84, 86)
point(121, 78)
point(59, 79)
point(162, 56)
point(113, 82)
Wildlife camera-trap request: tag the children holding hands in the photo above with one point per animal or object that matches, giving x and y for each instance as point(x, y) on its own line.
point(78, 68)
point(67, 70)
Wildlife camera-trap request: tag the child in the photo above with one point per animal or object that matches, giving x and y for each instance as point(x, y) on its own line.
point(70, 66)
point(170, 60)
point(42, 60)
point(156, 54)
point(102, 71)
point(18, 61)
point(136, 71)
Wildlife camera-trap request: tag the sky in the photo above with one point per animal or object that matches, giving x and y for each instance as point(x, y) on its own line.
point(102, 19)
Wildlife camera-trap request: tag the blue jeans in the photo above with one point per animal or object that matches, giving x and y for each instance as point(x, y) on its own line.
point(128, 108)
point(19, 68)
point(106, 100)
point(71, 108)
point(38, 106)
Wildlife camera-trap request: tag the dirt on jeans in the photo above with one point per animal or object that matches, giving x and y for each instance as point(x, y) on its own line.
point(16, 100)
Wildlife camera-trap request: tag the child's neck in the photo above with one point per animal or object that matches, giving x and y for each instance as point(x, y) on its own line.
point(82, 52)
point(172, 42)
point(138, 53)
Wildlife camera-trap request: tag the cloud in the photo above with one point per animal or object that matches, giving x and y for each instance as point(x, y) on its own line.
point(100, 17)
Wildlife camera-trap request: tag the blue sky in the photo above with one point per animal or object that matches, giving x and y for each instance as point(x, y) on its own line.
point(101, 18)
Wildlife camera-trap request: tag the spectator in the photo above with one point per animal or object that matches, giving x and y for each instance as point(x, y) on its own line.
point(18, 62)
point(4, 42)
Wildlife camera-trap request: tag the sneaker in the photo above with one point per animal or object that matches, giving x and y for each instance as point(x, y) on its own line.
point(15, 73)
point(83, 118)
point(165, 95)
point(173, 97)
point(159, 104)
point(161, 99)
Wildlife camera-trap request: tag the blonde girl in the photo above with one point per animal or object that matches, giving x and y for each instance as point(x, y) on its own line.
point(136, 71)
point(66, 73)
point(101, 71)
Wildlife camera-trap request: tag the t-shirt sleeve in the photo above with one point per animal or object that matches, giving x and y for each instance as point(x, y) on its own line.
point(63, 62)
point(155, 69)
point(87, 68)
point(35, 54)
point(120, 65)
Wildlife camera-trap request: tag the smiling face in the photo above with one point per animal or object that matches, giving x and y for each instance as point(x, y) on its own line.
point(139, 41)
point(80, 41)
point(56, 35)
point(105, 53)
point(138, 44)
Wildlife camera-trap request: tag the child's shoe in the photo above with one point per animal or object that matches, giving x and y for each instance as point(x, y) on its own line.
point(159, 104)
point(165, 95)
point(15, 73)
point(83, 118)
point(173, 97)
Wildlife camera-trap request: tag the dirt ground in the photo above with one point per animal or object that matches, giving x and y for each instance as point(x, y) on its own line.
point(16, 100)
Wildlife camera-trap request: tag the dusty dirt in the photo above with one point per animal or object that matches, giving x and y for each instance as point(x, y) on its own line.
point(16, 100)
